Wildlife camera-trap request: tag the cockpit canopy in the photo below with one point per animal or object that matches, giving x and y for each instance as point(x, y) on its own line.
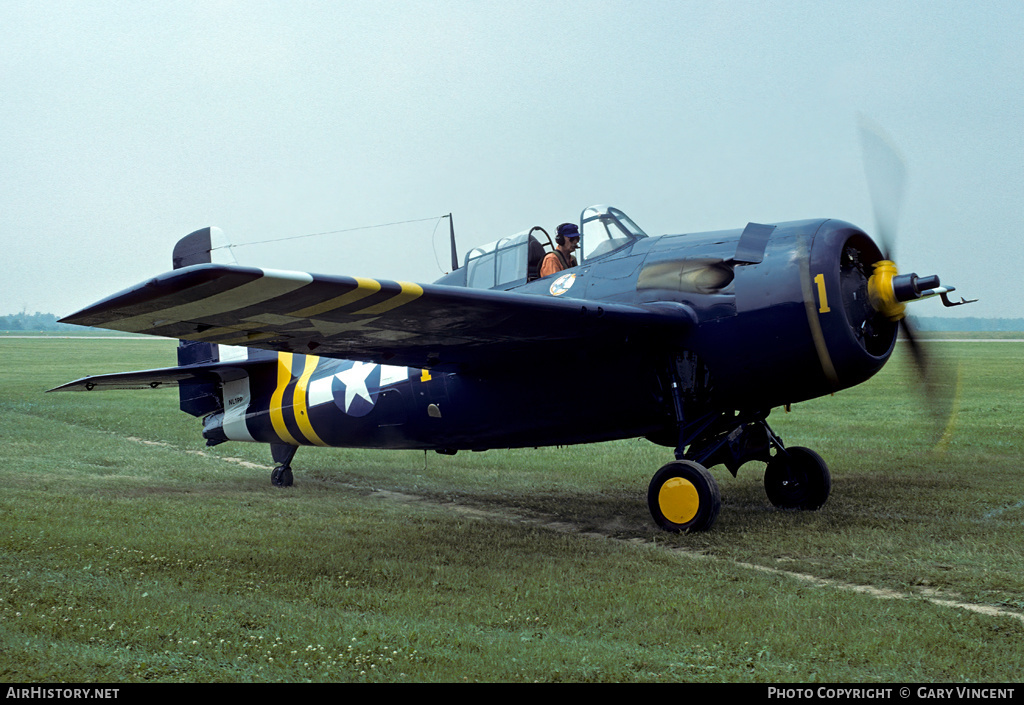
point(501, 263)
point(515, 260)
point(606, 229)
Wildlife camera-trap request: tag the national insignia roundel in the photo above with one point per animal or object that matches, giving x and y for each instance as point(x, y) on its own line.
point(562, 284)
point(356, 389)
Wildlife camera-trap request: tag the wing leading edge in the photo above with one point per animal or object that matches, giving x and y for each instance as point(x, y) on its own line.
point(387, 322)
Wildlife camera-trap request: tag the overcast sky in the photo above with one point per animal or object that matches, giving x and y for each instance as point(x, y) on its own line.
point(126, 125)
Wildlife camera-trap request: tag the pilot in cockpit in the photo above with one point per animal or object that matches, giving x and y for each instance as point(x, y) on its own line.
point(567, 241)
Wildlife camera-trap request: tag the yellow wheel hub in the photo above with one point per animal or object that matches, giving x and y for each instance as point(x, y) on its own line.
point(678, 500)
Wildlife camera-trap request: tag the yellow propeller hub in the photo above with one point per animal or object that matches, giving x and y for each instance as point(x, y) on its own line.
point(881, 293)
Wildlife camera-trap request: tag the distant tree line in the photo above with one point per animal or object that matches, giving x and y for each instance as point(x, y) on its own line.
point(936, 323)
point(34, 322)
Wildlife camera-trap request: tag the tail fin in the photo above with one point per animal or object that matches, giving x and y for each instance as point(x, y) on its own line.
point(201, 247)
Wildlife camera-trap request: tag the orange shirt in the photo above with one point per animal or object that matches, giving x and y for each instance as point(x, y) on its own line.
point(553, 263)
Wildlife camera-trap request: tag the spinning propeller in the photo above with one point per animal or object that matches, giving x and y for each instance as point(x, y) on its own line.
point(888, 290)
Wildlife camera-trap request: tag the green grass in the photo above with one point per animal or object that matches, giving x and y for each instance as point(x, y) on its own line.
point(124, 561)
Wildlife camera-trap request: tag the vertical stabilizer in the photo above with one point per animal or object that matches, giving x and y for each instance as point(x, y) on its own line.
point(202, 247)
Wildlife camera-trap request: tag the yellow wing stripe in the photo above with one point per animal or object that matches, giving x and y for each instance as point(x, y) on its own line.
point(284, 377)
point(301, 407)
point(269, 286)
point(410, 292)
point(366, 287)
point(240, 333)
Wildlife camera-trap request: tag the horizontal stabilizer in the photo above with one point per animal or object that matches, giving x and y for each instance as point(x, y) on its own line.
point(164, 376)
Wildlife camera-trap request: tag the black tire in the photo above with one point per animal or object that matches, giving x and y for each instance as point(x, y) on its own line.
point(800, 480)
point(683, 497)
point(281, 476)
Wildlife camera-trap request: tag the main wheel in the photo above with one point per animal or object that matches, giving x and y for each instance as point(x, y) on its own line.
point(800, 480)
point(684, 496)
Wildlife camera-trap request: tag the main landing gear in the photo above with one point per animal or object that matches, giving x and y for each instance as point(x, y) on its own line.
point(683, 495)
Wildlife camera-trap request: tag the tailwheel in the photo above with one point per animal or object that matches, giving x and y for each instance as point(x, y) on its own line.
point(684, 496)
point(282, 476)
point(282, 454)
point(797, 478)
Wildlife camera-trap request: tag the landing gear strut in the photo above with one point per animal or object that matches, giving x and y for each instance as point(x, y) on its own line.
point(282, 474)
point(683, 495)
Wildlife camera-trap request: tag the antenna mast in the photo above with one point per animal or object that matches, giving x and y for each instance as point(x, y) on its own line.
point(455, 254)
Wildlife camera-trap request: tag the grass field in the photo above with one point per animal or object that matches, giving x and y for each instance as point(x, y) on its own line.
point(129, 552)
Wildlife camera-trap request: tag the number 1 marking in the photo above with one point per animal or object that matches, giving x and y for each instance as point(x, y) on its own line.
point(822, 298)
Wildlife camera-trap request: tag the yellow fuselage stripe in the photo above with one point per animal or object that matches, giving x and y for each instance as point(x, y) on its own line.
point(301, 407)
point(284, 377)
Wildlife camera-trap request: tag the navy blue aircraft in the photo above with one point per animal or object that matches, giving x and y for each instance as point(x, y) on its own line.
point(687, 340)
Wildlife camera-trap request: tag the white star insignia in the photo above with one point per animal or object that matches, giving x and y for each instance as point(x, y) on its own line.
point(354, 379)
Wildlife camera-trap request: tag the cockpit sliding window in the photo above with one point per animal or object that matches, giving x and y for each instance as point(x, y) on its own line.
point(500, 263)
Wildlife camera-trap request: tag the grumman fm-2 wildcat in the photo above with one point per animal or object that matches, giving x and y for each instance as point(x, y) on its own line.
point(687, 340)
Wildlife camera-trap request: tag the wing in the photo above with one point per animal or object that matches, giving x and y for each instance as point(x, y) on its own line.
point(386, 322)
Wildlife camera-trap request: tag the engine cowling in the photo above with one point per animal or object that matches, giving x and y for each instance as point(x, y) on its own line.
point(787, 320)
